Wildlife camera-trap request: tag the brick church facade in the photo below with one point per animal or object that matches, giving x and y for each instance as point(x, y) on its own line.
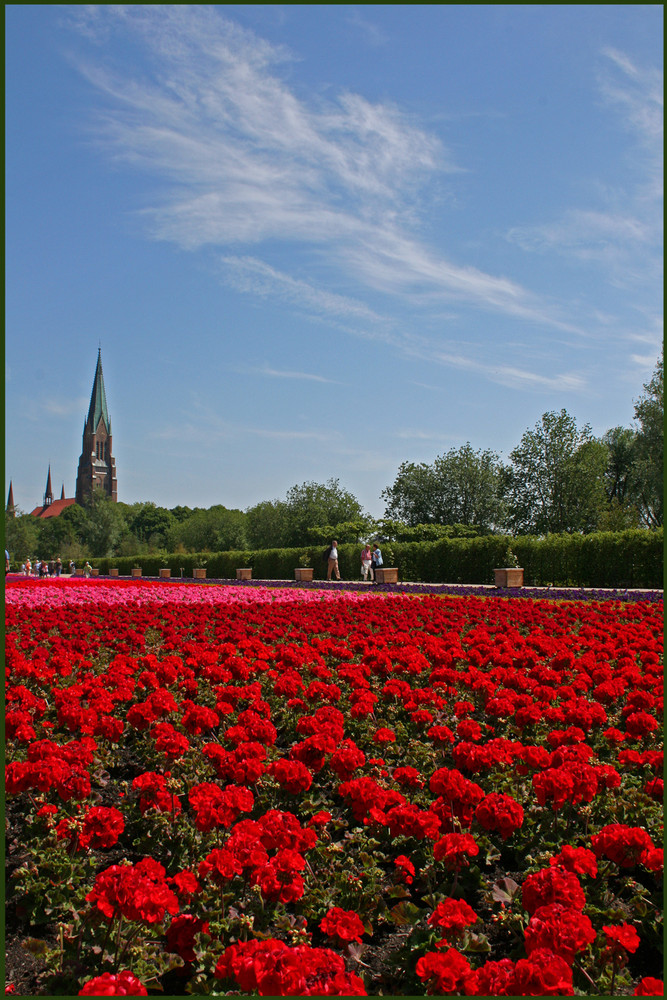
point(97, 466)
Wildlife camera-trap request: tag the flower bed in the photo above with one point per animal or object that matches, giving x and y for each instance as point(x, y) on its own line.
point(290, 791)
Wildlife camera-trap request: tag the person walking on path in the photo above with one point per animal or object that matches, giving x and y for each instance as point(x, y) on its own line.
point(332, 561)
point(366, 561)
point(376, 560)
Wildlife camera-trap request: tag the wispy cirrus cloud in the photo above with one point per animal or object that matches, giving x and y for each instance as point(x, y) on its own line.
point(622, 232)
point(249, 274)
point(246, 160)
point(64, 408)
point(267, 372)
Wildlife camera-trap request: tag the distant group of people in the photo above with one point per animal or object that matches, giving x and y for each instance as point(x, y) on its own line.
point(371, 559)
point(42, 568)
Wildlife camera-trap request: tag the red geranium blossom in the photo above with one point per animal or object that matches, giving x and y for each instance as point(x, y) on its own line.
point(345, 925)
point(622, 844)
point(552, 885)
point(451, 917)
point(454, 848)
point(181, 935)
point(575, 859)
point(621, 938)
point(101, 827)
point(499, 812)
point(405, 869)
point(650, 987)
point(443, 972)
point(272, 968)
point(124, 984)
point(562, 929)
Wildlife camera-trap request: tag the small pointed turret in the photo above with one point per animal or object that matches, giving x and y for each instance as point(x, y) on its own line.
point(11, 508)
point(48, 493)
point(62, 493)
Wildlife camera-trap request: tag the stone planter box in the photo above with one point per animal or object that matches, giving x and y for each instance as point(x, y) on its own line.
point(244, 574)
point(165, 574)
point(94, 571)
point(113, 572)
point(303, 573)
point(136, 571)
point(199, 573)
point(509, 577)
point(386, 574)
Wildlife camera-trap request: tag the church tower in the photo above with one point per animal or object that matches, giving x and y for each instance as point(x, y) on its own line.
point(11, 506)
point(97, 466)
point(48, 492)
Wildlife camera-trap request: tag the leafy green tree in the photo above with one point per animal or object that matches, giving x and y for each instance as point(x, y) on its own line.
point(266, 525)
point(21, 535)
point(650, 416)
point(214, 530)
point(620, 480)
point(103, 525)
point(463, 486)
point(556, 479)
point(347, 532)
point(313, 505)
point(398, 531)
point(181, 513)
point(620, 476)
point(149, 523)
point(413, 496)
point(60, 536)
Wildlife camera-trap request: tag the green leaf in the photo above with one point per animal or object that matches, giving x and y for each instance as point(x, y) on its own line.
point(35, 946)
point(478, 943)
point(399, 892)
point(405, 913)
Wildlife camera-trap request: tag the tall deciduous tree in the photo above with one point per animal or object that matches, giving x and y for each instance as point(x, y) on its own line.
point(311, 505)
point(463, 486)
point(288, 522)
point(266, 524)
point(214, 530)
point(102, 525)
point(650, 416)
point(556, 478)
point(21, 535)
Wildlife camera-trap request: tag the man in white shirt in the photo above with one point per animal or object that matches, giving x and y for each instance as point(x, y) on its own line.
point(332, 561)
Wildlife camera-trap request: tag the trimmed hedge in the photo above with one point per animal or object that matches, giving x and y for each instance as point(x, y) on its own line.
point(603, 559)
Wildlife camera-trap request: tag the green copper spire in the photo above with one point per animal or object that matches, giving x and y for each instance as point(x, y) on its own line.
point(98, 399)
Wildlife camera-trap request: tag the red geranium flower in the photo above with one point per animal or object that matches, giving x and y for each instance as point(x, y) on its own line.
point(499, 812)
point(650, 987)
point(101, 827)
point(444, 972)
point(451, 917)
point(124, 984)
point(561, 929)
point(621, 938)
point(575, 859)
point(622, 844)
point(345, 925)
point(454, 849)
point(552, 885)
point(406, 869)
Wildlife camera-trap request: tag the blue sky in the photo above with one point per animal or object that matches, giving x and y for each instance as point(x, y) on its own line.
point(317, 241)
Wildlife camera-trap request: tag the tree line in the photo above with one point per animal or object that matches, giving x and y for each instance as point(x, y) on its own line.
point(560, 478)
